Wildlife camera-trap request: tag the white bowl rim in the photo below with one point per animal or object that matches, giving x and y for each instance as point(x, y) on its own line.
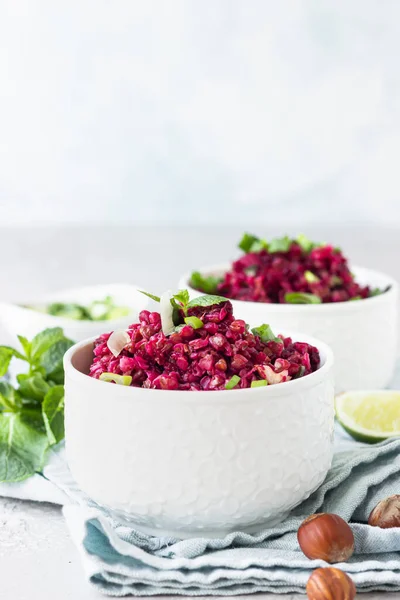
point(324, 306)
point(65, 322)
point(239, 395)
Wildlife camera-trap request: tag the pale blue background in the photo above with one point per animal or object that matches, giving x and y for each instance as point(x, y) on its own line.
point(198, 111)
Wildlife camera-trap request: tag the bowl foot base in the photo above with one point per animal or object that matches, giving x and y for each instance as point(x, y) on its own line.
point(185, 534)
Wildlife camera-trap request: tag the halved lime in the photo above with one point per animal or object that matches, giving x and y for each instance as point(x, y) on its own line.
point(370, 416)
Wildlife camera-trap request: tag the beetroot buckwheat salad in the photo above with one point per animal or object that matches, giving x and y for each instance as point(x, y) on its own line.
point(286, 271)
point(198, 345)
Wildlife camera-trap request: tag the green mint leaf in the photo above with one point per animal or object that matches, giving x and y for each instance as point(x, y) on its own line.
point(232, 382)
point(279, 245)
point(52, 360)
point(206, 301)
point(10, 399)
point(32, 386)
point(26, 345)
point(247, 241)
point(310, 277)
point(182, 296)
point(301, 298)
point(259, 245)
point(194, 322)
point(22, 447)
point(265, 333)
point(44, 340)
point(379, 291)
point(53, 414)
point(155, 298)
point(6, 355)
point(207, 284)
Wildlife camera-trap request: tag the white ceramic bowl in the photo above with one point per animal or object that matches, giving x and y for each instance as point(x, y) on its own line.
point(186, 463)
point(362, 334)
point(16, 319)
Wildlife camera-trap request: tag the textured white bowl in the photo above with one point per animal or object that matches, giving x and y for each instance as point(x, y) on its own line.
point(362, 334)
point(198, 463)
point(17, 320)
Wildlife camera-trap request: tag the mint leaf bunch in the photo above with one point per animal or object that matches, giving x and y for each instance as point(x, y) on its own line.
point(32, 411)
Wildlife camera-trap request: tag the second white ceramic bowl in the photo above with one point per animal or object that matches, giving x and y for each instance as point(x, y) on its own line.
point(362, 334)
point(18, 320)
point(187, 463)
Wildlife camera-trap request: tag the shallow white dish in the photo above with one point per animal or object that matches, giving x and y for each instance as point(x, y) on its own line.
point(187, 463)
point(362, 334)
point(17, 320)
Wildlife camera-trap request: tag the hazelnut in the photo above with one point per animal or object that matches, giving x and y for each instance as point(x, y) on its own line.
point(330, 584)
point(327, 537)
point(386, 513)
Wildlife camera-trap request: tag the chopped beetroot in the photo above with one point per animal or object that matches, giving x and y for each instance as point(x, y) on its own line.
point(286, 271)
point(206, 358)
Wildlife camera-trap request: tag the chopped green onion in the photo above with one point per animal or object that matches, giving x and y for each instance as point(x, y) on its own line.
point(265, 333)
point(233, 381)
point(247, 241)
point(355, 298)
point(194, 322)
point(302, 298)
point(301, 372)
point(259, 383)
point(119, 379)
point(250, 271)
point(335, 280)
point(310, 277)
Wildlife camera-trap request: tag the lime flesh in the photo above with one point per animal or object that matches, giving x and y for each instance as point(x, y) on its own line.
point(370, 416)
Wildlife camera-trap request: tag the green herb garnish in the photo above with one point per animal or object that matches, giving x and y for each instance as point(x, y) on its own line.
point(259, 383)
point(265, 333)
point(32, 412)
point(304, 243)
point(99, 310)
point(310, 277)
point(207, 284)
point(206, 301)
point(279, 245)
point(119, 379)
point(302, 298)
point(155, 298)
point(247, 242)
point(194, 322)
point(232, 382)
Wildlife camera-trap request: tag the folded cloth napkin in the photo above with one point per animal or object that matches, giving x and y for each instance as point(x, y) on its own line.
point(121, 561)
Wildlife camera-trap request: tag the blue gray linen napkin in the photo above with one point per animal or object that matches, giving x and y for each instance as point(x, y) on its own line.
point(120, 561)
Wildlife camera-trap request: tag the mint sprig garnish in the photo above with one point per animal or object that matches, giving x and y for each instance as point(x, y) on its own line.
point(32, 412)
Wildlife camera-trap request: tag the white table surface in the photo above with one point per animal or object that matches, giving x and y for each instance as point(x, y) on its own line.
point(38, 560)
